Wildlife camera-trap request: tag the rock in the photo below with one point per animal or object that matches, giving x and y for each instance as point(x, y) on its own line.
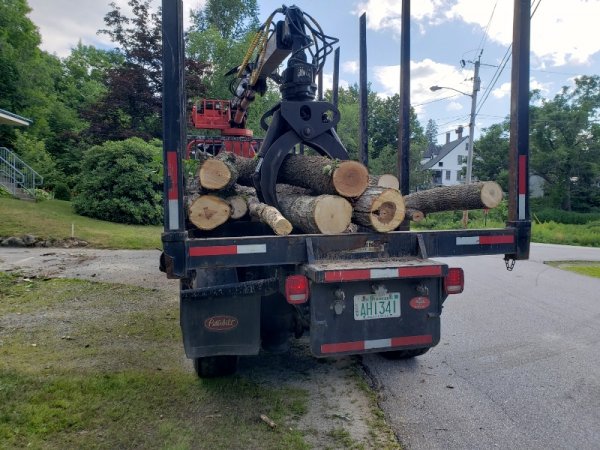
point(13, 241)
point(29, 239)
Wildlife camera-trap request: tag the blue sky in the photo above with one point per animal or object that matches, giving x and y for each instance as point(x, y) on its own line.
point(564, 45)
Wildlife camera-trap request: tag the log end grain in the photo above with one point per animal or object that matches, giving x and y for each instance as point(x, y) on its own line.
point(207, 212)
point(332, 214)
point(491, 194)
point(350, 178)
point(238, 205)
point(214, 174)
point(380, 209)
point(388, 181)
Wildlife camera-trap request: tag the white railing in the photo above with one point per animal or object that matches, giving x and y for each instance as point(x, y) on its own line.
point(16, 175)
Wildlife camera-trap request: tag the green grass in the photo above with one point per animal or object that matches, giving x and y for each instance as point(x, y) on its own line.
point(91, 365)
point(54, 218)
point(589, 268)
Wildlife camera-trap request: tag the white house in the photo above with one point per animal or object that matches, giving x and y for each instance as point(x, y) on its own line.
point(448, 163)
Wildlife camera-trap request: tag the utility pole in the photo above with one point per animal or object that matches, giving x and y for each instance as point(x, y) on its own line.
point(476, 87)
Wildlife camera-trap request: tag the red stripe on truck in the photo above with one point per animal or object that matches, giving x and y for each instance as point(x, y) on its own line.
point(501, 239)
point(404, 341)
point(173, 192)
point(214, 250)
point(347, 275)
point(425, 271)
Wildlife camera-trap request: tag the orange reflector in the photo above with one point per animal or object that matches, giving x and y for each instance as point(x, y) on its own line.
point(454, 282)
point(296, 289)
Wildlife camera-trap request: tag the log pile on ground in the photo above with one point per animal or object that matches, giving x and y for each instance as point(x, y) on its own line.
point(320, 195)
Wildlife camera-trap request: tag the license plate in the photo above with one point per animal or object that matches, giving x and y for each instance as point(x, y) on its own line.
point(376, 306)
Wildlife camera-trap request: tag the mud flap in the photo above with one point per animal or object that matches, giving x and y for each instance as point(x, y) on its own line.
point(215, 326)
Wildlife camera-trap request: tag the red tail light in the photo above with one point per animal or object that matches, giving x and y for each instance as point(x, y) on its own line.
point(454, 282)
point(296, 289)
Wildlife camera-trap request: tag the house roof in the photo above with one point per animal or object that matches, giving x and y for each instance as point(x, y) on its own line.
point(443, 151)
point(8, 118)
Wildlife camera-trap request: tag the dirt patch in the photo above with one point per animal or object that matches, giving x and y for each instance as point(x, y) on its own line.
point(340, 412)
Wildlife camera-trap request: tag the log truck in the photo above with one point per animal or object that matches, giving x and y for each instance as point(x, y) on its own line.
point(244, 289)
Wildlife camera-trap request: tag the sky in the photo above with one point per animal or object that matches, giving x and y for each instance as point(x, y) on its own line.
point(564, 45)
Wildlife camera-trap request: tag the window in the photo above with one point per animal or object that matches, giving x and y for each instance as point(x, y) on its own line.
point(447, 174)
point(441, 164)
point(459, 175)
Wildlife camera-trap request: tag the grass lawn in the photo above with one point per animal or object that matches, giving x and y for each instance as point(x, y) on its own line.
point(54, 218)
point(92, 365)
point(589, 268)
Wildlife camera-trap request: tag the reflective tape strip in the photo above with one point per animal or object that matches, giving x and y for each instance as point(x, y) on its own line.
point(486, 240)
point(172, 163)
point(384, 273)
point(404, 341)
point(522, 174)
point(521, 206)
point(378, 274)
point(219, 250)
point(251, 248)
point(173, 214)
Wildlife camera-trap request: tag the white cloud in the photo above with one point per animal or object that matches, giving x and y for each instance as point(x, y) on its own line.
point(63, 23)
point(504, 89)
point(328, 82)
point(454, 106)
point(350, 66)
point(424, 74)
point(561, 33)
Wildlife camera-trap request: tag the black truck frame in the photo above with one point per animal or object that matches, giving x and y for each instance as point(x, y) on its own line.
point(243, 289)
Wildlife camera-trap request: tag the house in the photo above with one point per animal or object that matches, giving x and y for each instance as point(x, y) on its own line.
point(447, 163)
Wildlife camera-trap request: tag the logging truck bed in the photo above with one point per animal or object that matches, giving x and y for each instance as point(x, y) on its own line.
point(375, 263)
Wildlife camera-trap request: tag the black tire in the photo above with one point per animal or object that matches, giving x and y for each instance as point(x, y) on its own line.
point(405, 354)
point(215, 366)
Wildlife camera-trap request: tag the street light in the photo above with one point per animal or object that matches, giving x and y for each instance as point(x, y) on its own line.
point(437, 88)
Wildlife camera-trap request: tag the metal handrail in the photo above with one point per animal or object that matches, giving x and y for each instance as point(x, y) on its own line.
point(18, 174)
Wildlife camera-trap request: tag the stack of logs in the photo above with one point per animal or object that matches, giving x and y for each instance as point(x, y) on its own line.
point(320, 195)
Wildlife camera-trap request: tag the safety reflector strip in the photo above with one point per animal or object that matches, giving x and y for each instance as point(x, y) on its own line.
point(403, 341)
point(486, 240)
point(219, 250)
point(378, 274)
point(522, 186)
point(172, 192)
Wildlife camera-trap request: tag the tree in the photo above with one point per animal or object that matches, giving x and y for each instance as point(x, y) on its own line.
point(431, 132)
point(121, 182)
point(565, 149)
point(490, 152)
point(232, 19)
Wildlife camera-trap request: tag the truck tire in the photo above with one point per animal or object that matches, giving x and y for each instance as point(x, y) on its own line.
point(215, 366)
point(405, 354)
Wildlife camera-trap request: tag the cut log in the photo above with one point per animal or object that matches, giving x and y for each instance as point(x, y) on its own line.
point(207, 212)
point(486, 194)
point(326, 214)
point(387, 181)
point(319, 174)
point(217, 173)
point(379, 208)
point(270, 216)
point(414, 215)
point(239, 207)
point(325, 176)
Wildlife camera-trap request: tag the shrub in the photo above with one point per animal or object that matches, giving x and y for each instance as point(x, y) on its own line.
point(62, 191)
point(120, 182)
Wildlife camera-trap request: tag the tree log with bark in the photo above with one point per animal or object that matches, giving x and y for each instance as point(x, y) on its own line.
point(381, 209)
point(460, 197)
point(326, 214)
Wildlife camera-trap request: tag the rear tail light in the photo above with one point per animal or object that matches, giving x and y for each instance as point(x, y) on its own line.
point(296, 289)
point(454, 282)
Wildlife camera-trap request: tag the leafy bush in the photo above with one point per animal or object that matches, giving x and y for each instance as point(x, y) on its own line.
point(120, 182)
point(566, 217)
point(62, 191)
point(41, 195)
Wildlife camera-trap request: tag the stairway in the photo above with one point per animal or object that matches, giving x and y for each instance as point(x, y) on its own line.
point(17, 177)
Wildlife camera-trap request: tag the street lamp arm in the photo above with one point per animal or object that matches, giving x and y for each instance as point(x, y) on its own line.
point(437, 88)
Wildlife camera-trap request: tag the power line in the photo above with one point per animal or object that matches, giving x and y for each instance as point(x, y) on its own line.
point(487, 28)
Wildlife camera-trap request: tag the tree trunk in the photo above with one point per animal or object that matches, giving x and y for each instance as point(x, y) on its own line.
point(414, 214)
point(269, 215)
point(486, 194)
point(325, 176)
point(326, 214)
point(386, 181)
point(218, 173)
point(207, 212)
point(319, 174)
point(379, 208)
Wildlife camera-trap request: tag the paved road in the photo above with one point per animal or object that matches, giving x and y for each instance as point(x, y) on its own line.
point(518, 365)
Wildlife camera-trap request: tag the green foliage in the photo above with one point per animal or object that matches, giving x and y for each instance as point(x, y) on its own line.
point(61, 191)
point(121, 183)
point(34, 153)
point(41, 195)
point(490, 161)
point(566, 217)
point(567, 234)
